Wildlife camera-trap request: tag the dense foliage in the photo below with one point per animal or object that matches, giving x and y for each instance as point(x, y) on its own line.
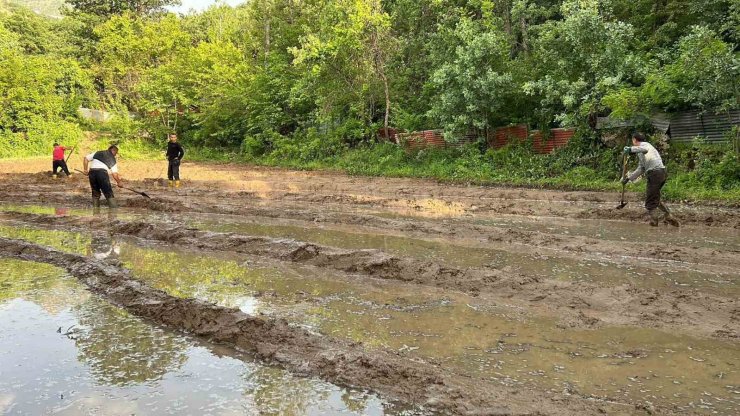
point(294, 81)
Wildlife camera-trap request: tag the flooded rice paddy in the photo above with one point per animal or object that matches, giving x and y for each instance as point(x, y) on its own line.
point(471, 335)
point(64, 351)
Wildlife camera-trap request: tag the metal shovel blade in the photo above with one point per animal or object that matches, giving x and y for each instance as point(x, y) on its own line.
point(622, 205)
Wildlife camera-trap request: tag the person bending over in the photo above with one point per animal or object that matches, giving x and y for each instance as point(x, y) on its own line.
point(100, 164)
point(58, 161)
point(651, 166)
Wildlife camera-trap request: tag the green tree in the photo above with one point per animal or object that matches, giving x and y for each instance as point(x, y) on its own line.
point(127, 47)
point(108, 8)
point(345, 54)
point(578, 60)
point(475, 88)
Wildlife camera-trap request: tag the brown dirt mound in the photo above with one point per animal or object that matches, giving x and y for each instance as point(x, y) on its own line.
point(275, 341)
point(155, 204)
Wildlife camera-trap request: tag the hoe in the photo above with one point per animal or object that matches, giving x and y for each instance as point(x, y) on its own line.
point(144, 194)
point(622, 202)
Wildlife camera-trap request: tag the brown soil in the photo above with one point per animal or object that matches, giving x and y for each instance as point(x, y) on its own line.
point(464, 216)
point(577, 303)
point(271, 340)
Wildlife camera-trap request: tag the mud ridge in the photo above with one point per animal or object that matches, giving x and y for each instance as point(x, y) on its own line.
point(388, 194)
point(576, 303)
point(503, 236)
point(275, 341)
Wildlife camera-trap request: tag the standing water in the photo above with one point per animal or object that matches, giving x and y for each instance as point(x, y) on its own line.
point(65, 351)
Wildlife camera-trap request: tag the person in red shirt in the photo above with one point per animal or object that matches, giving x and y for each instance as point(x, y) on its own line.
point(59, 162)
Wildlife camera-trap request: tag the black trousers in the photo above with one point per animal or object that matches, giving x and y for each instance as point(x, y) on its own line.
point(655, 180)
point(173, 170)
point(100, 183)
point(60, 164)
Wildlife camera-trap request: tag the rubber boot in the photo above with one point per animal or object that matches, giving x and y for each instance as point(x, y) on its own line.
point(668, 219)
point(170, 183)
point(96, 202)
point(112, 203)
point(654, 217)
point(54, 176)
point(177, 183)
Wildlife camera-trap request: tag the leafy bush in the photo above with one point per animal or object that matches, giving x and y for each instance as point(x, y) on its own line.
point(39, 140)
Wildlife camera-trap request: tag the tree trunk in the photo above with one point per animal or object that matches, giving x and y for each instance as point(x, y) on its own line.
point(267, 40)
point(379, 63)
point(525, 35)
point(387, 104)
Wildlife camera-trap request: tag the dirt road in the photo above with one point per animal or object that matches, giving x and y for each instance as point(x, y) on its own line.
point(557, 263)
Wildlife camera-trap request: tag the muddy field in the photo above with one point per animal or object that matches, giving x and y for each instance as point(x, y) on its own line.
point(411, 296)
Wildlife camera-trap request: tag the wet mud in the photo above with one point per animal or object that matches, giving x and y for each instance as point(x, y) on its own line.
point(274, 341)
point(566, 258)
point(579, 304)
point(65, 351)
point(232, 189)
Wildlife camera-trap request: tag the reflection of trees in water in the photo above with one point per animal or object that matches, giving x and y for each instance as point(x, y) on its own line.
point(103, 246)
point(354, 403)
point(62, 240)
point(120, 349)
point(39, 283)
point(187, 274)
point(277, 392)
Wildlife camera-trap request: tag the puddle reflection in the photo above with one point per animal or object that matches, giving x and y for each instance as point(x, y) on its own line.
point(66, 352)
point(468, 335)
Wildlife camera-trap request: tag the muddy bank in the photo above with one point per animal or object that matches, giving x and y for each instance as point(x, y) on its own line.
point(336, 361)
point(499, 237)
point(576, 303)
point(240, 190)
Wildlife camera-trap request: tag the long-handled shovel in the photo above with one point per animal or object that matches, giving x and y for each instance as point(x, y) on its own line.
point(625, 158)
point(144, 194)
point(70, 154)
point(136, 192)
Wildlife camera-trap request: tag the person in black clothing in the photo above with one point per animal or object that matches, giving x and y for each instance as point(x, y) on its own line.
point(96, 166)
point(175, 152)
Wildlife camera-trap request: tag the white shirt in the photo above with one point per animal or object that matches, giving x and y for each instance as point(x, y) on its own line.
point(649, 159)
point(96, 164)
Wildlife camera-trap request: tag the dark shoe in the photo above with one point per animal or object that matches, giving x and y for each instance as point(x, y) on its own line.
point(672, 221)
point(654, 217)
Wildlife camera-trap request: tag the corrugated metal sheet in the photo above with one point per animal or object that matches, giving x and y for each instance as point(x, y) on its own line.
point(497, 138)
point(558, 138)
point(430, 139)
point(687, 125)
point(603, 123)
point(660, 121)
point(500, 137)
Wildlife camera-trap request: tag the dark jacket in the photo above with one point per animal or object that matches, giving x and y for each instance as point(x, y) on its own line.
point(106, 157)
point(174, 151)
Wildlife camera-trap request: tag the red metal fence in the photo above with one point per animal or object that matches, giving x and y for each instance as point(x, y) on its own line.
point(497, 138)
point(429, 139)
point(501, 136)
point(558, 138)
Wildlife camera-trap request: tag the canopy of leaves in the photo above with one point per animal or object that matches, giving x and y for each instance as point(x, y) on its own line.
point(335, 71)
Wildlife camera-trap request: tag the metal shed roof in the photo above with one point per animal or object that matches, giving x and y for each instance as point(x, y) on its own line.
point(660, 121)
point(687, 125)
point(683, 126)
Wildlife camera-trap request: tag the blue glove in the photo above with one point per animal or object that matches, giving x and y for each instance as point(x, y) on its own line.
point(627, 150)
point(625, 180)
